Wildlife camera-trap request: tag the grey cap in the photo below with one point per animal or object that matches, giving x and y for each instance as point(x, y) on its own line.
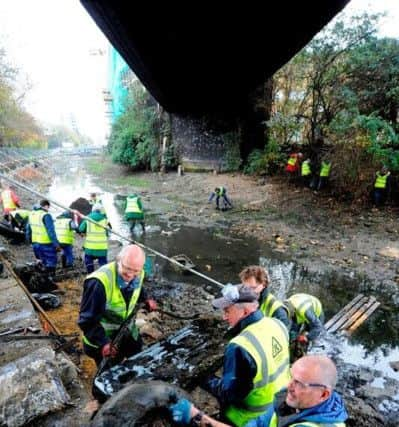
point(235, 294)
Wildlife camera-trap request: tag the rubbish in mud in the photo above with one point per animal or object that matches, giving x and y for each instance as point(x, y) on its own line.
point(7, 230)
point(184, 358)
point(6, 307)
point(35, 278)
point(19, 330)
point(184, 260)
point(140, 405)
point(47, 300)
point(19, 337)
point(352, 315)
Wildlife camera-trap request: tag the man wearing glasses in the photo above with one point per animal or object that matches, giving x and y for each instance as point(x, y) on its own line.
point(308, 401)
point(109, 297)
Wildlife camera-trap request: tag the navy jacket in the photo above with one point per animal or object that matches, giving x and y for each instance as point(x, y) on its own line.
point(92, 307)
point(239, 369)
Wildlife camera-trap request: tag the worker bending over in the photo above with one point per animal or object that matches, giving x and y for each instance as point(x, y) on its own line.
point(220, 192)
point(256, 360)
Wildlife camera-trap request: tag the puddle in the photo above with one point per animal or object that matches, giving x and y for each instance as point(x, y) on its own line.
point(222, 256)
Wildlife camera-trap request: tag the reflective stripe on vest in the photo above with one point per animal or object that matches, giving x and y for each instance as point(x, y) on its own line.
point(325, 169)
point(292, 161)
point(39, 231)
point(301, 303)
point(270, 305)
point(267, 342)
point(132, 205)
point(8, 202)
point(23, 213)
point(305, 169)
point(63, 231)
point(116, 310)
point(381, 180)
point(96, 236)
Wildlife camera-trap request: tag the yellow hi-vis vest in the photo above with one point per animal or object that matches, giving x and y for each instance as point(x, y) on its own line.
point(132, 205)
point(305, 168)
point(270, 305)
point(325, 169)
point(8, 202)
point(301, 303)
point(274, 423)
point(96, 236)
point(292, 161)
point(63, 231)
point(220, 191)
point(23, 213)
point(39, 231)
point(267, 342)
point(381, 180)
point(116, 310)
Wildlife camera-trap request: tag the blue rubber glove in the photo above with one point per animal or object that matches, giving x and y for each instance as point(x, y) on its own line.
point(181, 411)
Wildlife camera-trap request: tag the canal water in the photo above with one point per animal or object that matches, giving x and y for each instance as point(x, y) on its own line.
point(221, 255)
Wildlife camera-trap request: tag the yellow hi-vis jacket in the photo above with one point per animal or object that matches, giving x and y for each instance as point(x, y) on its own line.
point(8, 202)
point(292, 161)
point(132, 205)
point(23, 213)
point(116, 309)
point(270, 305)
point(96, 236)
point(267, 342)
point(325, 169)
point(274, 423)
point(305, 168)
point(39, 231)
point(220, 191)
point(63, 231)
point(381, 180)
point(301, 303)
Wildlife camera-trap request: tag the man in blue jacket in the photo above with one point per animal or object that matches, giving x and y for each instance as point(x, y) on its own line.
point(309, 400)
point(41, 233)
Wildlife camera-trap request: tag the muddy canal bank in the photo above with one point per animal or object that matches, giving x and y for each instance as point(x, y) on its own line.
point(296, 244)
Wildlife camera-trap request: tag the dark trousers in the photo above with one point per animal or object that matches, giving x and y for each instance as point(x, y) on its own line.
point(128, 347)
point(46, 253)
point(226, 201)
point(133, 224)
point(89, 262)
point(379, 196)
point(67, 255)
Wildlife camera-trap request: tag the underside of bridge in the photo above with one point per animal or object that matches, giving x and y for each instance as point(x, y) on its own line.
point(205, 61)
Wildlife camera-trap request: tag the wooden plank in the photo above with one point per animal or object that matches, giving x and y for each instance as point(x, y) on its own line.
point(347, 315)
point(361, 319)
point(342, 311)
point(358, 313)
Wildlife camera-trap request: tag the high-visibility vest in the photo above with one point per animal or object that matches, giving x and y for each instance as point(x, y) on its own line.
point(116, 309)
point(39, 231)
point(220, 191)
point(301, 303)
point(96, 236)
point(23, 213)
point(292, 161)
point(381, 180)
point(267, 342)
point(270, 305)
point(8, 202)
point(132, 205)
point(305, 169)
point(325, 169)
point(63, 231)
point(274, 423)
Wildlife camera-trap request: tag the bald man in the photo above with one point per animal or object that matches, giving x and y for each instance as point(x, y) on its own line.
point(309, 400)
point(110, 295)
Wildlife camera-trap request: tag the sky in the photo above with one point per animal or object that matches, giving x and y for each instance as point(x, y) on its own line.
point(51, 42)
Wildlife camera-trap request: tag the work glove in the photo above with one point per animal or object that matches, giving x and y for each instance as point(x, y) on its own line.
point(302, 339)
point(109, 350)
point(181, 411)
point(151, 305)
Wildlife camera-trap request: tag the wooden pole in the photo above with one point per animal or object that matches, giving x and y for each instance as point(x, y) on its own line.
point(346, 316)
point(28, 294)
point(362, 318)
point(328, 324)
point(358, 314)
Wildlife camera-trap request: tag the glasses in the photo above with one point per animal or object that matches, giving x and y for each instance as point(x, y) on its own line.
point(127, 269)
point(303, 385)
